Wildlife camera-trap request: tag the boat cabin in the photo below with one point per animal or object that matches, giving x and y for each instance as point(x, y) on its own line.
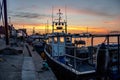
point(58, 42)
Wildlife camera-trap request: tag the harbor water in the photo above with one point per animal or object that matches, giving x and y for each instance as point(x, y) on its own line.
point(98, 40)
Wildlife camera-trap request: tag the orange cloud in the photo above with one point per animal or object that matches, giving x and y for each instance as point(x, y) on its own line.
point(40, 28)
point(83, 29)
point(113, 22)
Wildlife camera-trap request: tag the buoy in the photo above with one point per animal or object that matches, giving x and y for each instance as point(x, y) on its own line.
point(102, 60)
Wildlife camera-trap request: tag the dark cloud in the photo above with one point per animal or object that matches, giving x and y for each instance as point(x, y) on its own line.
point(30, 15)
point(114, 31)
point(99, 13)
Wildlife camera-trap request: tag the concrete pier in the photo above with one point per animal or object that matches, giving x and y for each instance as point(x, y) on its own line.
point(28, 69)
point(24, 66)
point(38, 62)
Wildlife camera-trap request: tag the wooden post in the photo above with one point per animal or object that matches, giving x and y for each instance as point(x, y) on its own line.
point(6, 22)
point(92, 41)
point(75, 66)
point(92, 47)
point(108, 42)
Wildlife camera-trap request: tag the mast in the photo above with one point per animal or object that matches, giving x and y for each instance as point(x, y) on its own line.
point(59, 17)
point(47, 27)
point(59, 25)
point(9, 20)
point(65, 18)
point(87, 30)
point(33, 30)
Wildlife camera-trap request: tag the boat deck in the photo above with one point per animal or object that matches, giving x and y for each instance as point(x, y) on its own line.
point(85, 67)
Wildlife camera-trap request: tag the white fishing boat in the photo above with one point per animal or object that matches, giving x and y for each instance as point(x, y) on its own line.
point(72, 60)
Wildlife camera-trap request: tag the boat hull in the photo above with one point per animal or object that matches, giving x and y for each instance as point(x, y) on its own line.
point(62, 73)
point(39, 49)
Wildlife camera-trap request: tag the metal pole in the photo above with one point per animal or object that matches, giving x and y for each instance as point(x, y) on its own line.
point(65, 27)
point(118, 53)
point(75, 56)
point(45, 28)
point(9, 20)
point(52, 27)
point(6, 22)
point(92, 47)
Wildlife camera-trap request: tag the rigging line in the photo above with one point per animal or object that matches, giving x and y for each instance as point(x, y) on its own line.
point(105, 40)
point(1, 14)
point(0, 10)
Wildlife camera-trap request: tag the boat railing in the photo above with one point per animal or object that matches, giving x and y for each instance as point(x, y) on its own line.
point(81, 59)
point(74, 49)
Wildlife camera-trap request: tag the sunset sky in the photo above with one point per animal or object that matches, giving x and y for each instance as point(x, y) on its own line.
point(100, 16)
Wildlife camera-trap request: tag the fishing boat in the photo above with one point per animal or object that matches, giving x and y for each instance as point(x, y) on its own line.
point(72, 60)
point(39, 44)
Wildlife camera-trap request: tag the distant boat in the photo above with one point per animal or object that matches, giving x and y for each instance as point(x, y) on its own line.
point(37, 42)
point(39, 46)
point(71, 60)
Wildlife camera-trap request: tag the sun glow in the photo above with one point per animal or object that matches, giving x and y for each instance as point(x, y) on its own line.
point(40, 28)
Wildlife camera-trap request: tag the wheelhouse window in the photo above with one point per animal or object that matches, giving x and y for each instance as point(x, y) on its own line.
point(61, 39)
point(55, 40)
point(68, 39)
point(50, 40)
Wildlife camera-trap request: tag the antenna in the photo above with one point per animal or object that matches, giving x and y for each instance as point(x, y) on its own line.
point(66, 13)
point(45, 28)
